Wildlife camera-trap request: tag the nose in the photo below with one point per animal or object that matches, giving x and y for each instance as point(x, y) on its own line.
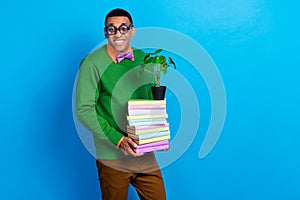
point(118, 33)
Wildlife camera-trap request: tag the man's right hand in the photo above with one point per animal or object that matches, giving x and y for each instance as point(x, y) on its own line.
point(128, 146)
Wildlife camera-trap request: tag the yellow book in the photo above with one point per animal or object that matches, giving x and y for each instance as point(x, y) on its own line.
point(149, 135)
point(145, 141)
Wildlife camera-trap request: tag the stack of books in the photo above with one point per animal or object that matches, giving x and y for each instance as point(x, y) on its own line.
point(147, 125)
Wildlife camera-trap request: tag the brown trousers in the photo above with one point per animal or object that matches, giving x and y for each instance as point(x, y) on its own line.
point(142, 172)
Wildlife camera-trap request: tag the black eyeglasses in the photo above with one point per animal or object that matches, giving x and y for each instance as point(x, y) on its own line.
point(123, 29)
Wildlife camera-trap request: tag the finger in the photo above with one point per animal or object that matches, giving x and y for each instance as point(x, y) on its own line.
point(131, 152)
point(126, 148)
point(132, 143)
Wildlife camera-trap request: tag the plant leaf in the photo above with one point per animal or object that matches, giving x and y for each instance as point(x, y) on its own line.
point(149, 67)
point(164, 68)
point(158, 51)
point(172, 62)
point(147, 56)
point(163, 60)
point(148, 60)
point(157, 60)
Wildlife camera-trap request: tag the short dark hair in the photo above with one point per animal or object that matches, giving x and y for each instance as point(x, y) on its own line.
point(118, 12)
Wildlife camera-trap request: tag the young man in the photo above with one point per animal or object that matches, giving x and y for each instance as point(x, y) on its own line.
point(107, 79)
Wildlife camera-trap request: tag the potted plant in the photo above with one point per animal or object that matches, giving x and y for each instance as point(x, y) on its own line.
point(157, 65)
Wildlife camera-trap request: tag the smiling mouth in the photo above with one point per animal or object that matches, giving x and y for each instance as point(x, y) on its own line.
point(119, 41)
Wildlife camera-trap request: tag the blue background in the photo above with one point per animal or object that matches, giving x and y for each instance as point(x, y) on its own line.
point(255, 45)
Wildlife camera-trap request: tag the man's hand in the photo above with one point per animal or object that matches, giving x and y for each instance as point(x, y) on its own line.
point(127, 145)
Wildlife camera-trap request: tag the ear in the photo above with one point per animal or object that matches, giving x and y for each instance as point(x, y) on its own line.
point(132, 31)
point(105, 34)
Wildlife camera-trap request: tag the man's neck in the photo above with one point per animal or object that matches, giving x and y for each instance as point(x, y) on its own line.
point(112, 53)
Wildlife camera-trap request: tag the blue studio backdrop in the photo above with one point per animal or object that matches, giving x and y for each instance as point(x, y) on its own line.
point(254, 46)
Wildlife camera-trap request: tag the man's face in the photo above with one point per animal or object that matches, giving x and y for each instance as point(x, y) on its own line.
point(119, 42)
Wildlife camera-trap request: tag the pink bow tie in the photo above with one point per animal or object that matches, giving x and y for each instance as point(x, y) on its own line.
point(122, 56)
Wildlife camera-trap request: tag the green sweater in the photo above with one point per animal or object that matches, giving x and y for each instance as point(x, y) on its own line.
point(103, 89)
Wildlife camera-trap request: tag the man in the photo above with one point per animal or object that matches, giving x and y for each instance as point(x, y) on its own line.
point(107, 79)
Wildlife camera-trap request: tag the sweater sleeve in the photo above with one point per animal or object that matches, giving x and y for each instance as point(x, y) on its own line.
point(87, 93)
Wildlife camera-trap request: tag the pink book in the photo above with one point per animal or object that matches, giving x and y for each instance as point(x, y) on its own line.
point(149, 107)
point(153, 144)
point(151, 149)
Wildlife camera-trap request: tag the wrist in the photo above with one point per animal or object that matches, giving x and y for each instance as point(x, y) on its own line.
point(119, 143)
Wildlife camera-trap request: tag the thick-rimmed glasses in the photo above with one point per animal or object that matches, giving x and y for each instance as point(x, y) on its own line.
point(123, 29)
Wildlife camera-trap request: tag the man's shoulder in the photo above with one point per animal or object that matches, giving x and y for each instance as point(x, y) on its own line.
point(96, 54)
point(138, 53)
point(137, 50)
point(97, 57)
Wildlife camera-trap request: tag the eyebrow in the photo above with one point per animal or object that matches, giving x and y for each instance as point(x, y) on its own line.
point(112, 24)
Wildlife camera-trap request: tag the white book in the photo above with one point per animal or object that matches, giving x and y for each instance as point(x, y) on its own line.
point(147, 131)
point(142, 102)
point(147, 112)
point(147, 122)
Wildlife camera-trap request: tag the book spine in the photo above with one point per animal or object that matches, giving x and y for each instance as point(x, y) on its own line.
point(151, 149)
point(149, 136)
point(162, 142)
point(152, 140)
point(147, 127)
point(152, 107)
point(148, 131)
point(147, 117)
point(146, 123)
point(146, 102)
point(147, 112)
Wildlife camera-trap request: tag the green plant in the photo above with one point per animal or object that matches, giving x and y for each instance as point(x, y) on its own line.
point(157, 65)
